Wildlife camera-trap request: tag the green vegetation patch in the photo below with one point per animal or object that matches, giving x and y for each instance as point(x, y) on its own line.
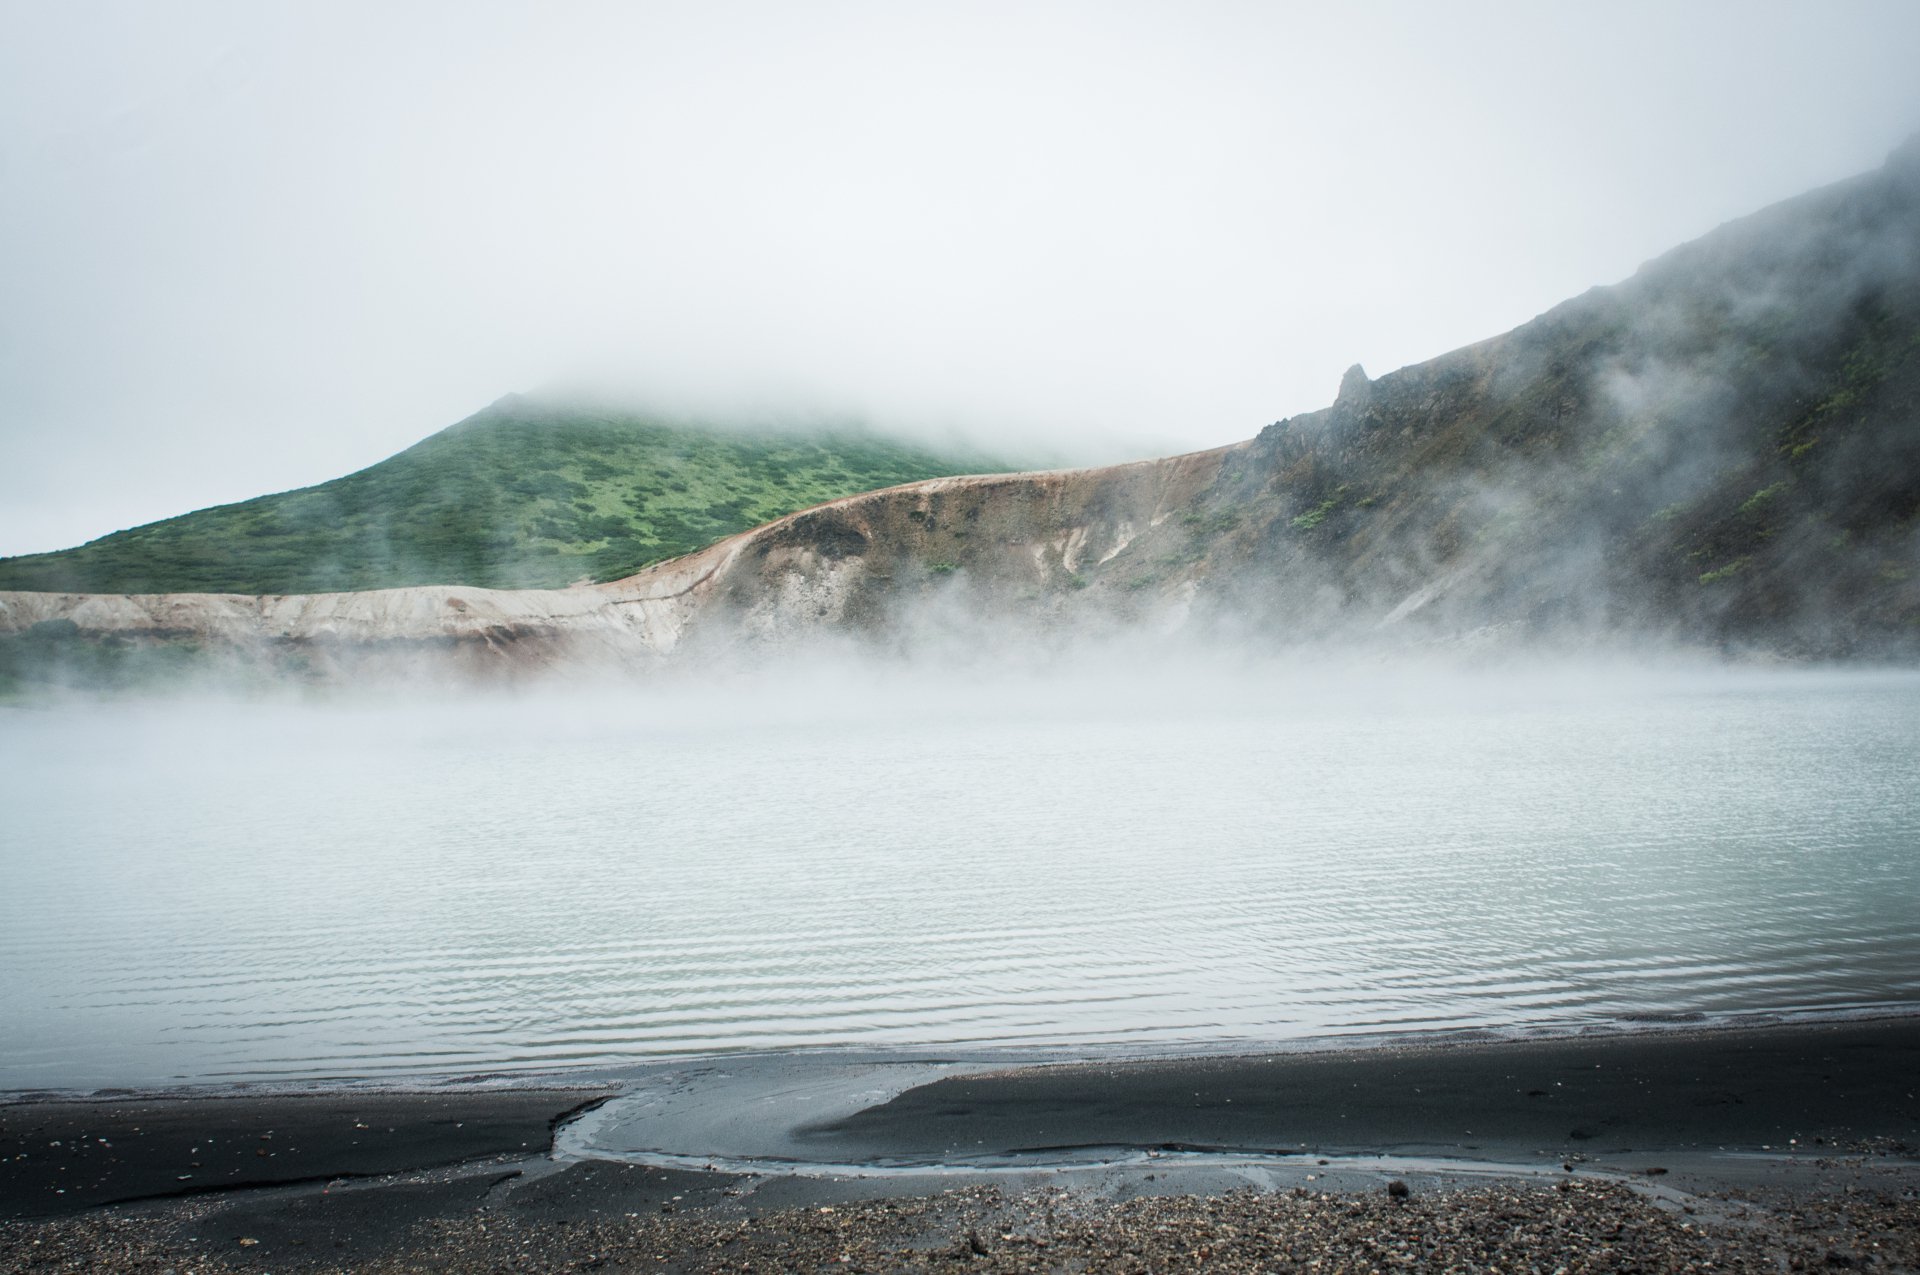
point(517, 496)
point(1762, 498)
point(1316, 515)
point(1727, 572)
point(1218, 523)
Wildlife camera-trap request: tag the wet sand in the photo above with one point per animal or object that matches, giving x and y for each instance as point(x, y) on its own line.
point(1779, 1145)
point(63, 1156)
point(1598, 1097)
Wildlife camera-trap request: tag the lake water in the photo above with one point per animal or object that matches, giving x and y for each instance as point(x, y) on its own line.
point(1127, 858)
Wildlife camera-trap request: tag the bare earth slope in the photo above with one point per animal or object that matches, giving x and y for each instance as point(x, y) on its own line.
point(847, 562)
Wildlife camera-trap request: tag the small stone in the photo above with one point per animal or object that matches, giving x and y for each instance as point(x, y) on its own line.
point(1398, 1189)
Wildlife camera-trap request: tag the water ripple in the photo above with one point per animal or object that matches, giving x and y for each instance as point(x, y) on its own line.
point(348, 898)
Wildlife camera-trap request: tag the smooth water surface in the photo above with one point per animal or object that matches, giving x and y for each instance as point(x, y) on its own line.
point(279, 891)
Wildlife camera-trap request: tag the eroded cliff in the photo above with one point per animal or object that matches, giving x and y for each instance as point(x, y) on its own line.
point(1015, 544)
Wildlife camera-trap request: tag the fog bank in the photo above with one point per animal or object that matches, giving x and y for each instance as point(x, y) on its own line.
point(254, 247)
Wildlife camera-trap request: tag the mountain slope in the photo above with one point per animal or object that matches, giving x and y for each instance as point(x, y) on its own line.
point(1722, 452)
point(867, 563)
point(520, 495)
point(1724, 449)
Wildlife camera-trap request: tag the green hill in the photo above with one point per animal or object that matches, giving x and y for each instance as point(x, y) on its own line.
point(520, 495)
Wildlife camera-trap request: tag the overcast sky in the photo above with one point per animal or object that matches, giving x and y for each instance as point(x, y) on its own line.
point(249, 246)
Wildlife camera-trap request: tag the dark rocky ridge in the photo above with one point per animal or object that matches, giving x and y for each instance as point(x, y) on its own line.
point(1723, 449)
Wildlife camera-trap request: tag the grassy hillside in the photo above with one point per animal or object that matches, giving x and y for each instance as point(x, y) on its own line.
point(518, 496)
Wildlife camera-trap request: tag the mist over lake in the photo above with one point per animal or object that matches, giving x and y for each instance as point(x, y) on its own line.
point(1123, 858)
point(872, 637)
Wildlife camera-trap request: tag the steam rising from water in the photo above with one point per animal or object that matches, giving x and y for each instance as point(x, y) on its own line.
point(1133, 856)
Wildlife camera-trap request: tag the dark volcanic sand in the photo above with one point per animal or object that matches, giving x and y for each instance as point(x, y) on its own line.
point(1667, 1100)
point(1592, 1096)
point(63, 1156)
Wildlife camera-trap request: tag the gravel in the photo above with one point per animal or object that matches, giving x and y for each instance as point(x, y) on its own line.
point(1569, 1227)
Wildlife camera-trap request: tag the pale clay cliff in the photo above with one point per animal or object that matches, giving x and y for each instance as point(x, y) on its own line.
point(847, 564)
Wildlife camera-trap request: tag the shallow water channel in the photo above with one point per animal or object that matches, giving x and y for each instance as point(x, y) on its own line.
point(233, 890)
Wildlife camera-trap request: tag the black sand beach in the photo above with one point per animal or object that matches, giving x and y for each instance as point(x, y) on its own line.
point(65, 1156)
point(1611, 1097)
point(1765, 1148)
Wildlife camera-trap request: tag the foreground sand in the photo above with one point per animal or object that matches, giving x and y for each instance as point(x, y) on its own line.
point(1790, 1148)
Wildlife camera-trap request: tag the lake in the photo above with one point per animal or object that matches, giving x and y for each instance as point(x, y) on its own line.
point(1119, 858)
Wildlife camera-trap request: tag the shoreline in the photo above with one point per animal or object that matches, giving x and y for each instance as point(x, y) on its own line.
point(1713, 1125)
point(514, 1075)
point(835, 1110)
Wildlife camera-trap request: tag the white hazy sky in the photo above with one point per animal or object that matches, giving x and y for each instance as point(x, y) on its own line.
point(249, 246)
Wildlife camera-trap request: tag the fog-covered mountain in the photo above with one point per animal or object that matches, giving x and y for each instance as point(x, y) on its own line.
point(1721, 452)
point(527, 493)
